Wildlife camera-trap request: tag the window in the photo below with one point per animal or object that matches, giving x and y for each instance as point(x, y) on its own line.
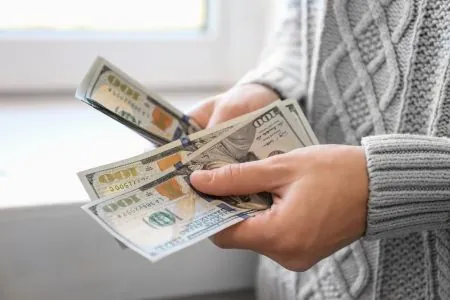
point(50, 44)
point(104, 16)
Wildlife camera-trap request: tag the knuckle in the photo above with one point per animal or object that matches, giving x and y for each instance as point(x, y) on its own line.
point(282, 165)
point(219, 175)
point(282, 247)
point(235, 170)
point(230, 171)
point(296, 260)
point(297, 265)
point(290, 249)
point(296, 256)
point(279, 164)
point(220, 242)
point(227, 171)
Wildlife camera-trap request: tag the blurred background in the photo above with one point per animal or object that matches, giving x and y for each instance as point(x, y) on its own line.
point(185, 51)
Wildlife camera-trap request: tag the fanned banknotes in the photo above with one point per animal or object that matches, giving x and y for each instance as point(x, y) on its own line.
point(121, 176)
point(164, 216)
point(167, 214)
point(147, 202)
point(302, 124)
point(114, 93)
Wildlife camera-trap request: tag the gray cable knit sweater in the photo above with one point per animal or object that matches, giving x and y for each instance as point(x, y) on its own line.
point(376, 73)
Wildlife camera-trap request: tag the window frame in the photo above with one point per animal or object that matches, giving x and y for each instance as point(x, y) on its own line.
point(219, 57)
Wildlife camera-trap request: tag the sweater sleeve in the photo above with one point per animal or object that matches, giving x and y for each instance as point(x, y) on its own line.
point(283, 62)
point(409, 184)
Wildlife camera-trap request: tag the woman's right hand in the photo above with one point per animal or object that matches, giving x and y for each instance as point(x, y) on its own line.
point(237, 101)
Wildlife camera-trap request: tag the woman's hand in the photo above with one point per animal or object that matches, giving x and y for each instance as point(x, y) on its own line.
point(320, 197)
point(235, 102)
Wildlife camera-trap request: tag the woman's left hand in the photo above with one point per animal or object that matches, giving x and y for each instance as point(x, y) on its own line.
point(320, 203)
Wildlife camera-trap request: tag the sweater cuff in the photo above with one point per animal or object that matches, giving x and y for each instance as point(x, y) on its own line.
point(409, 184)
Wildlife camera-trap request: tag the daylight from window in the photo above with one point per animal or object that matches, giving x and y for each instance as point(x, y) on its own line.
point(104, 15)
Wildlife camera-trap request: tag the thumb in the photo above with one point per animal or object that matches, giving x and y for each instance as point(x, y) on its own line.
point(237, 179)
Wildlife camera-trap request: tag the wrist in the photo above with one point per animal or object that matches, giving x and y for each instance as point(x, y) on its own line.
point(275, 92)
point(254, 94)
point(363, 183)
point(262, 88)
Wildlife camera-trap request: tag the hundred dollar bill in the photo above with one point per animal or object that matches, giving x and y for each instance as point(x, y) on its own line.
point(111, 91)
point(124, 175)
point(304, 128)
point(167, 214)
point(271, 132)
point(121, 176)
point(164, 216)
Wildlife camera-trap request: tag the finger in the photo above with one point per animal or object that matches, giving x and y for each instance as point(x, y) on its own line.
point(239, 179)
point(252, 234)
point(202, 112)
point(229, 108)
point(223, 115)
point(218, 118)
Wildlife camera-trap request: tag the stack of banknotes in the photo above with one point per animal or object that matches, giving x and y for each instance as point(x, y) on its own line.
point(147, 202)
